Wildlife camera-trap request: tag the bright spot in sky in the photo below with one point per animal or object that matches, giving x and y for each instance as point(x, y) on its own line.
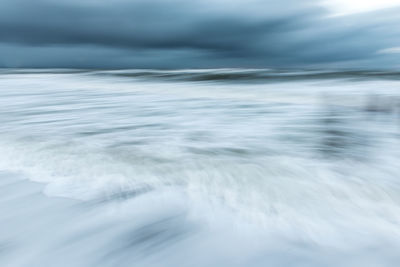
point(345, 7)
point(391, 50)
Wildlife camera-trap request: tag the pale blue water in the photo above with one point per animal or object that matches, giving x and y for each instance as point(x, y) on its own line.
point(199, 168)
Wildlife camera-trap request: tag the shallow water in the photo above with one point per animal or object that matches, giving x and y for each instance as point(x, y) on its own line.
point(199, 168)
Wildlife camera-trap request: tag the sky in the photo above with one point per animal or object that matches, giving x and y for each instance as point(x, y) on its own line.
point(345, 7)
point(173, 34)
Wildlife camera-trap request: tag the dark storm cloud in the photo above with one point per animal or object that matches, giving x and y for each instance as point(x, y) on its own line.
point(177, 33)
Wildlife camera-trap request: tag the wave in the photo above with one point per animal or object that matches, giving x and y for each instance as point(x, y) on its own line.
point(225, 75)
point(115, 172)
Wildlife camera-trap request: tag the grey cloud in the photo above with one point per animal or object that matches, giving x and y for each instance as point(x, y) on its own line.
point(177, 33)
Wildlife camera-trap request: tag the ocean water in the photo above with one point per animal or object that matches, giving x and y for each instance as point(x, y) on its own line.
point(225, 167)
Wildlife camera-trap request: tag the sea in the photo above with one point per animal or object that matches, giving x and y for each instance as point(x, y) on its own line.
point(199, 168)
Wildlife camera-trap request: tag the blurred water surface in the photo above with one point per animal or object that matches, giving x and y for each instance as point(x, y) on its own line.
point(199, 168)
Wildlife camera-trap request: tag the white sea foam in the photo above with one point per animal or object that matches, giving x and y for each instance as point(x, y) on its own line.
point(164, 173)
